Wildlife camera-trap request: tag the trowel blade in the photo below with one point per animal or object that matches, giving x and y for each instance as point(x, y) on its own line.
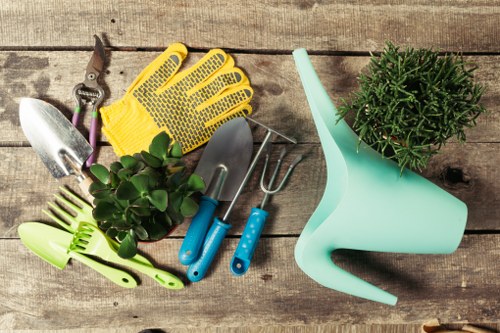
point(61, 147)
point(229, 151)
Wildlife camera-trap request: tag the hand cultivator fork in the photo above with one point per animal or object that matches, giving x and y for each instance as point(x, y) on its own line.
point(257, 219)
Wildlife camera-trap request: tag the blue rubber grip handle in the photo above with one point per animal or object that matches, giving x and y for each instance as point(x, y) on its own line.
point(215, 236)
point(248, 242)
point(190, 248)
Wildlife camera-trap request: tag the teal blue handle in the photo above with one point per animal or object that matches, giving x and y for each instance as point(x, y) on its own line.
point(195, 235)
point(215, 236)
point(248, 242)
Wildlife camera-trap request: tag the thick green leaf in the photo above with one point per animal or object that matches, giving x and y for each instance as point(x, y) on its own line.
point(159, 199)
point(176, 150)
point(189, 207)
point(128, 246)
point(125, 174)
point(98, 190)
point(121, 235)
point(171, 160)
point(115, 167)
point(114, 180)
point(141, 233)
point(175, 200)
point(151, 160)
point(153, 176)
point(128, 161)
point(195, 183)
point(100, 172)
point(140, 207)
point(141, 183)
point(156, 230)
point(159, 145)
point(121, 224)
point(127, 191)
point(103, 211)
point(106, 225)
point(112, 232)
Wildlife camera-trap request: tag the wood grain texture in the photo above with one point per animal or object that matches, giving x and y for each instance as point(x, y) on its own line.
point(455, 288)
point(345, 25)
point(469, 172)
point(272, 328)
point(279, 100)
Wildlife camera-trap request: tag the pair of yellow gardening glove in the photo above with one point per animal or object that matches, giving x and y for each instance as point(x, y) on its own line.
point(189, 105)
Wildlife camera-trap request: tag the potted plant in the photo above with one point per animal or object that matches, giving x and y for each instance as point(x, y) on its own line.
point(411, 102)
point(145, 196)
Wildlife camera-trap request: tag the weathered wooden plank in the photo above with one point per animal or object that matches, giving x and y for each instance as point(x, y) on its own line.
point(324, 328)
point(279, 98)
point(269, 25)
point(469, 172)
point(457, 287)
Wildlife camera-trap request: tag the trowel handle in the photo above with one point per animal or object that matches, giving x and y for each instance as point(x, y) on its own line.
point(84, 182)
point(195, 235)
point(213, 241)
point(248, 242)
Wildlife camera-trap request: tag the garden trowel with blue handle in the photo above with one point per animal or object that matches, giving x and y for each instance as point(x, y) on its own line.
point(222, 166)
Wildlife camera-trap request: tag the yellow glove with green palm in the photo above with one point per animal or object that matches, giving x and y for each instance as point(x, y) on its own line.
point(189, 105)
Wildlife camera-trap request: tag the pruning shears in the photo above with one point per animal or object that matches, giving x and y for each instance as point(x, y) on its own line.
point(90, 92)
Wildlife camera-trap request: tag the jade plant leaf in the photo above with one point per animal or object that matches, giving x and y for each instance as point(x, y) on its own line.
point(151, 160)
point(141, 232)
point(100, 172)
point(115, 167)
point(112, 232)
point(98, 190)
point(156, 230)
point(125, 174)
point(176, 150)
point(159, 146)
point(159, 199)
point(128, 161)
point(140, 207)
point(128, 246)
point(103, 211)
point(189, 207)
point(195, 183)
point(141, 183)
point(127, 191)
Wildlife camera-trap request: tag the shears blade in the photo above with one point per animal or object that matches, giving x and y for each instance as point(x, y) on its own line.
point(96, 63)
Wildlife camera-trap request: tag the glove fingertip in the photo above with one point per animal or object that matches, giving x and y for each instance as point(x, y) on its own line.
point(178, 48)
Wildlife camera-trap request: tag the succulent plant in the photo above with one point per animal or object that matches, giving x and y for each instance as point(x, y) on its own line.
point(143, 197)
point(411, 102)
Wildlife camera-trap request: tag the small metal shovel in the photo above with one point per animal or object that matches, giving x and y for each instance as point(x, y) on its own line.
point(61, 147)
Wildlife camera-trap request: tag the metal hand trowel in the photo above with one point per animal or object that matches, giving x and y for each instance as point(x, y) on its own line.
point(222, 166)
point(51, 244)
point(61, 147)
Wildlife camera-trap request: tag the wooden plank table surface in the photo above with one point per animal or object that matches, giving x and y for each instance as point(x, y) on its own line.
point(44, 48)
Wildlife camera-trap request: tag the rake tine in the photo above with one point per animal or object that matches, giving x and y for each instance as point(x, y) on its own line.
point(83, 204)
point(58, 220)
point(283, 181)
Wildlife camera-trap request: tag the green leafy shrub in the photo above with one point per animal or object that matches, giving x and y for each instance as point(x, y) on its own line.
point(143, 197)
point(411, 102)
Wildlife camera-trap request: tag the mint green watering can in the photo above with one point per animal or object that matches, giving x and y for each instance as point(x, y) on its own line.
point(367, 204)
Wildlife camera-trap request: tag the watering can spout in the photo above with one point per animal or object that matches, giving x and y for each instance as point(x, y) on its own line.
point(316, 261)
